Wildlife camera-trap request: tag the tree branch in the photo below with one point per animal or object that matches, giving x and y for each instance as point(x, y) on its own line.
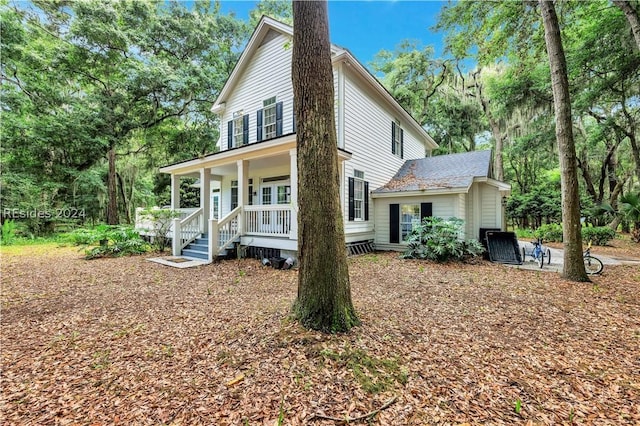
point(347, 419)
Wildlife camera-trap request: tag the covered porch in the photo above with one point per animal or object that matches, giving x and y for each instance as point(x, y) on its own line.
point(246, 197)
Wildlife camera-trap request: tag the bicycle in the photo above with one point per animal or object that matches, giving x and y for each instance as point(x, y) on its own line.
point(538, 253)
point(592, 264)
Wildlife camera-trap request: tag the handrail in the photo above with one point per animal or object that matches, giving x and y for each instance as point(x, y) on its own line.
point(190, 227)
point(229, 228)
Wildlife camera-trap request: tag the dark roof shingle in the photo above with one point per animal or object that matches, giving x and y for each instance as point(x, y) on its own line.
point(440, 172)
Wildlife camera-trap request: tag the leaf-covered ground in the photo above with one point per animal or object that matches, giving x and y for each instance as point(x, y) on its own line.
point(127, 341)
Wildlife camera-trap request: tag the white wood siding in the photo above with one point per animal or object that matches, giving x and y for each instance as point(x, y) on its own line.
point(462, 214)
point(367, 135)
point(268, 74)
point(489, 205)
point(444, 206)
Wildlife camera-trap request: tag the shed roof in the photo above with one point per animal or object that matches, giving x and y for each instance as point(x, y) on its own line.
point(440, 172)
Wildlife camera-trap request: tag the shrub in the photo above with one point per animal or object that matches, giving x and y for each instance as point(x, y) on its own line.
point(8, 232)
point(113, 241)
point(551, 232)
point(161, 220)
point(82, 237)
point(438, 239)
point(598, 235)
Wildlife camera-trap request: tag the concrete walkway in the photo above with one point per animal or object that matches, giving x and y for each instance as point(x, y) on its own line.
point(557, 259)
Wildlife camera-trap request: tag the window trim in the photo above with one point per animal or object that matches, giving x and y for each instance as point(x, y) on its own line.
point(269, 128)
point(238, 131)
point(415, 220)
point(397, 139)
point(358, 202)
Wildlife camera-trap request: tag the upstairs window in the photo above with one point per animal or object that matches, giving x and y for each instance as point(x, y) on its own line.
point(397, 139)
point(238, 130)
point(269, 115)
point(269, 120)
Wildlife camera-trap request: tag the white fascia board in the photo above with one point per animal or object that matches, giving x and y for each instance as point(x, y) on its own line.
point(347, 57)
point(502, 186)
point(250, 151)
point(421, 193)
point(261, 30)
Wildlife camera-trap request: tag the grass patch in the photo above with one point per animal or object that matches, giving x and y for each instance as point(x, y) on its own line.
point(373, 374)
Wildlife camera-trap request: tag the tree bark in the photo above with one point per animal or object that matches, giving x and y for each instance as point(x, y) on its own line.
point(112, 204)
point(498, 165)
point(324, 293)
point(573, 268)
point(632, 16)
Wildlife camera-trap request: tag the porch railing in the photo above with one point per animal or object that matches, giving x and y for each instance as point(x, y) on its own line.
point(223, 232)
point(187, 230)
point(268, 220)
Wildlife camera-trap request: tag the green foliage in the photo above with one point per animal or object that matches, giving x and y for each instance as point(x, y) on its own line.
point(114, 241)
point(161, 220)
point(373, 374)
point(83, 78)
point(535, 207)
point(598, 235)
point(8, 232)
point(83, 237)
point(439, 239)
point(551, 232)
point(630, 206)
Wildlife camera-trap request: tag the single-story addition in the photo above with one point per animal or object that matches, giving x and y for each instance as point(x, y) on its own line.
point(248, 188)
point(455, 185)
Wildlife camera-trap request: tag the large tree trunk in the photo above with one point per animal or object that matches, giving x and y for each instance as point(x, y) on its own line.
point(498, 166)
point(112, 205)
point(632, 16)
point(571, 228)
point(324, 293)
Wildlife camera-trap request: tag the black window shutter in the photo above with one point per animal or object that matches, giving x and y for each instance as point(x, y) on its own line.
point(279, 119)
point(259, 125)
point(366, 201)
point(245, 129)
point(229, 134)
point(394, 223)
point(426, 210)
point(294, 121)
point(393, 137)
point(352, 207)
point(401, 143)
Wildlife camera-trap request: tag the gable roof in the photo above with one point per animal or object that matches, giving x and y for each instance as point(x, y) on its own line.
point(264, 30)
point(453, 172)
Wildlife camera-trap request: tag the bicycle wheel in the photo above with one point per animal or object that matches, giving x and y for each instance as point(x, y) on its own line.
point(524, 255)
point(593, 265)
point(547, 253)
point(540, 259)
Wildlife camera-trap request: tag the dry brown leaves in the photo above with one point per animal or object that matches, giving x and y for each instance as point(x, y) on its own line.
point(126, 341)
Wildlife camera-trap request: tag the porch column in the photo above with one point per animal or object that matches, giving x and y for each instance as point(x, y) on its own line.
point(205, 198)
point(293, 157)
point(175, 192)
point(243, 190)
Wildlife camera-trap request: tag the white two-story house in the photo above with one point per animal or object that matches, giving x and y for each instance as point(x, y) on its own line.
point(248, 188)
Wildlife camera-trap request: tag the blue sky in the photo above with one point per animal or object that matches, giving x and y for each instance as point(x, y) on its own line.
point(366, 27)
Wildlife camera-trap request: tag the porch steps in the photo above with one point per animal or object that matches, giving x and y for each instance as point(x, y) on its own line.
point(197, 249)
